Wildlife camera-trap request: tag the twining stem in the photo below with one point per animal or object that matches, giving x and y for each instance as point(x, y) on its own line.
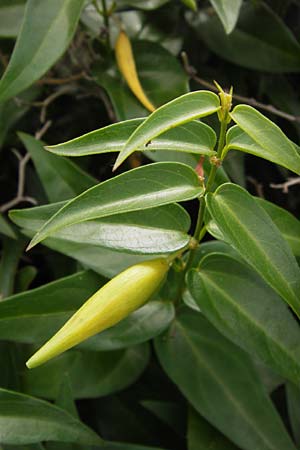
point(105, 14)
point(198, 235)
point(106, 22)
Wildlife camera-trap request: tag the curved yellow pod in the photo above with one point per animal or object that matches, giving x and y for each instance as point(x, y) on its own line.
point(113, 302)
point(126, 64)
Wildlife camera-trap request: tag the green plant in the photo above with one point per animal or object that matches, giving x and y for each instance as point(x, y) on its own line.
point(223, 328)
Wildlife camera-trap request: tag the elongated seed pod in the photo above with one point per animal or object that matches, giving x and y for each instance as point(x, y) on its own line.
point(113, 302)
point(126, 64)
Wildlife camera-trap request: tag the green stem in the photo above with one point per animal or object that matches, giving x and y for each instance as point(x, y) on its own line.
point(106, 22)
point(104, 13)
point(211, 178)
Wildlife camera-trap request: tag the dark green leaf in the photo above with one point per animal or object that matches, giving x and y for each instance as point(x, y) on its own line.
point(177, 112)
point(247, 311)
point(160, 74)
point(202, 436)
point(45, 34)
point(142, 188)
point(249, 229)
point(193, 137)
point(10, 19)
point(228, 12)
point(5, 228)
point(293, 401)
point(219, 380)
point(92, 374)
point(25, 277)
point(261, 40)
point(61, 178)
point(26, 420)
point(258, 135)
point(36, 315)
point(288, 225)
point(11, 254)
point(11, 111)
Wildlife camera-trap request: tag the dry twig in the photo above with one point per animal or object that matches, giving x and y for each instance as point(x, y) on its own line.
point(191, 71)
point(286, 185)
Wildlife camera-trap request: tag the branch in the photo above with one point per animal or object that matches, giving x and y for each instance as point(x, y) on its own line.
point(191, 71)
point(285, 186)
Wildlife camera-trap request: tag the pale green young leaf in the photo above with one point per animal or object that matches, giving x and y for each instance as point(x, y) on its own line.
point(142, 188)
point(46, 31)
point(177, 112)
point(250, 230)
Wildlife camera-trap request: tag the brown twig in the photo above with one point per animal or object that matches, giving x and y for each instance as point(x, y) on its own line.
point(191, 71)
point(259, 187)
point(285, 186)
point(59, 81)
point(23, 160)
point(20, 197)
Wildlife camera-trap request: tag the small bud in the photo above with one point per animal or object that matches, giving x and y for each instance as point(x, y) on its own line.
point(118, 298)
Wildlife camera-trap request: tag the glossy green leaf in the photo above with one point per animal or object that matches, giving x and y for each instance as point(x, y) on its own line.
point(92, 374)
point(249, 229)
point(286, 222)
point(5, 228)
point(45, 34)
point(262, 138)
point(202, 436)
point(247, 311)
point(35, 315)
point(219, 380)
point(228, 12)
point(154, 231)
point(142, 188)
point(61, 178)
point(10, 19)
point(177, 112)
point(161, 75)
point(26, 420)
point(261, 40)
point(193, 137)
point(292, 399)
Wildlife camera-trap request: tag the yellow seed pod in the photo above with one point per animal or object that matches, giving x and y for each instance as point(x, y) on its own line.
point(113, 302)
point(126, 64)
